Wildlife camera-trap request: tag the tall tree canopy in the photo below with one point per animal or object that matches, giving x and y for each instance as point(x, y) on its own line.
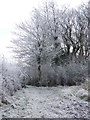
point(52, 36)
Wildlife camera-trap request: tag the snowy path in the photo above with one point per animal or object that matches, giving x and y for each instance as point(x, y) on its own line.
point(54, 102)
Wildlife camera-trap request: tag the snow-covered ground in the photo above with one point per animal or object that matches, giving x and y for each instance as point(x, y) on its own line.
point(46, 102)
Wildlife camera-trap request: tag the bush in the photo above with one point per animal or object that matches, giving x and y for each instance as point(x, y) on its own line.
point(10, 80)
point(76, 73)
point(70, 74)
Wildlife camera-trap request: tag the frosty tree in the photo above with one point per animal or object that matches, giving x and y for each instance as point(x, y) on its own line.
point(52, 37)
point(36, 38)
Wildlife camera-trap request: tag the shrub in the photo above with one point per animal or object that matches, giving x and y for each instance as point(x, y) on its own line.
point(76, 73)
point(70, 74)
point(10, 80)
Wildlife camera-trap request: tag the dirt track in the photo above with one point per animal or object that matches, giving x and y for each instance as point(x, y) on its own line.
point(40, 102)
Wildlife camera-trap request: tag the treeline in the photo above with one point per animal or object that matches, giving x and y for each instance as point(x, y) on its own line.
point(52, 47)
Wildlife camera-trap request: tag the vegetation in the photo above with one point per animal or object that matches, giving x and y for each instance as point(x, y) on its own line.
point(53, 46)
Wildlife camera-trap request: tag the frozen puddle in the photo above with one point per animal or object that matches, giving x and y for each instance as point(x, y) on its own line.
point(45, 102)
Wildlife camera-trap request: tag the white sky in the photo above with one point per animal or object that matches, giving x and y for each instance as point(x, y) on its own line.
point(14, 11)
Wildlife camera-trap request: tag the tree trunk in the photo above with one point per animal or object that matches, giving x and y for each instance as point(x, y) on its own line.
point(39, 72)
point(39, 69)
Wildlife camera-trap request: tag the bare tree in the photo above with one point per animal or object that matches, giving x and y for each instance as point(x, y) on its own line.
point(52, 37)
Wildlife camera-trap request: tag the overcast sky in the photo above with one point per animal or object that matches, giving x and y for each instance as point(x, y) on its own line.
point(14, 11)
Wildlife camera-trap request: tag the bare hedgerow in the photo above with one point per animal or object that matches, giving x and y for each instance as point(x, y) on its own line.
point(70, 74)
point(76, 73)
